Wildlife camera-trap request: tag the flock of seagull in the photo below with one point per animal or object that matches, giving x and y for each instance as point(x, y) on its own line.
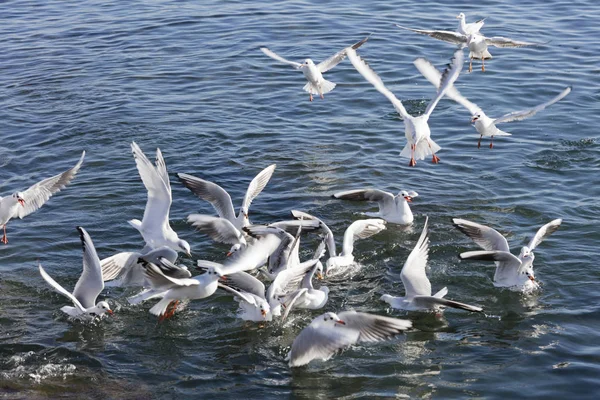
point(271, 253)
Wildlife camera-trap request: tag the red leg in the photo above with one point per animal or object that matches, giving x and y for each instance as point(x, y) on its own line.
point(322, 96)
point(492, 143)
point(412, 162)
point(435, 158)
point(4, 238)
point(310, 97)
point(471, 65)
point(479, 143)
point(483, 64)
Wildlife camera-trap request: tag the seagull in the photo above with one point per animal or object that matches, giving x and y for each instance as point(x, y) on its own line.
point(512, 272)
point(394, 209)
point(88, 287)
point(127, 268)
point(326, 233)
point(314, 72)
point(21, 204)
point(307, 296)
point(417, 130)
point(485, 125)
point(250, 295)
point(220, 199)
point(417, 286)
point(154, 227)
point(173, 290)
point(287, 253)
point(467, 29)
point(477, 43)
point(330, 332)
point(360, 229)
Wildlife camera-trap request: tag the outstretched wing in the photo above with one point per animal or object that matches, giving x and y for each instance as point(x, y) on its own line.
point(449, 76)
point(484, 236)
point(90, 284)
point(544, 232)
point(338, 57)
point(446, 36)
point(257, 185)
point(370, 75)
point(413, 275)
point(434, 77)
point(279, 58)
point(521, 115)
point(38, 194)
point(60, 289)
point(219, 229)
point(373, 328)
point(211, 192)
point(499, 41)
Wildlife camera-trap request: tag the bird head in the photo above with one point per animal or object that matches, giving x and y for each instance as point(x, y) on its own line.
point(19, 197)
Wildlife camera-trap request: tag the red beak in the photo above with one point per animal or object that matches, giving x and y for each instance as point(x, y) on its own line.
point(408, 198)
point(229, 253)
point(263, 312)
point(21, 202)
point(110, 312)
point(531, 278)
point(341, 322)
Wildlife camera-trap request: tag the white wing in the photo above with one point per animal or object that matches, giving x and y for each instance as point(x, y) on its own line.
point(253, 255)
point(237, 293)
point(521, 115)
point(279, 58)
point(449, 76)
point(361, 229)
point(507, 265)
point(156, 214)
point(245, 282)
point(158, 280)
point(211, 192)
point(446, 36)
point(219, 229)
point(38, 194)
point(486, 237)
point(544, 232)
point(370, 75)
point(60, 289)
point(413, 273)
point(373, 328)
point(291, 300)
point(434, 77)
point(338, 57)
point(113, 266)
point(257, 185)
point(90, 284)
point(500, 41)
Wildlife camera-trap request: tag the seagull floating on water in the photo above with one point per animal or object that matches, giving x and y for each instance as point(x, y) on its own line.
point(88, 287)
point(21, 204)
point(331, 332)
point(394, 209)
point(317, 85)
point(419, 143)
point(485, 125)
point(417, 286)
point(511, 271)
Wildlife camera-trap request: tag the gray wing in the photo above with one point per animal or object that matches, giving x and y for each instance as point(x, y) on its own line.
point(319, 342)
point(279, 58)
point(211, 192)
point(486, 237)
point(237, 293)
point(219, 229)
point(413, 275)
point(338, 57)
point(434, 77)
point(521, 115)
point(114, 265)
point(60, 289)
point(257, 185)
point(156, 213)
point(161, 282)
point(373, 328)
point(430, 302)
point(385, 200)
point(290, 300)
point(288, 281)
point(244, 282)
point(90, 284)
point(449, 76)
point(446, 36)
point(544, 232)
point(174, 271)
point(371, 77)
point(499, 41)
point(38, 194)
point(507, 264)
point(292, 226)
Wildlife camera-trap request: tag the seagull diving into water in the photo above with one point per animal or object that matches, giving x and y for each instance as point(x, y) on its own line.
point(314, 72)
point(21, 204)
